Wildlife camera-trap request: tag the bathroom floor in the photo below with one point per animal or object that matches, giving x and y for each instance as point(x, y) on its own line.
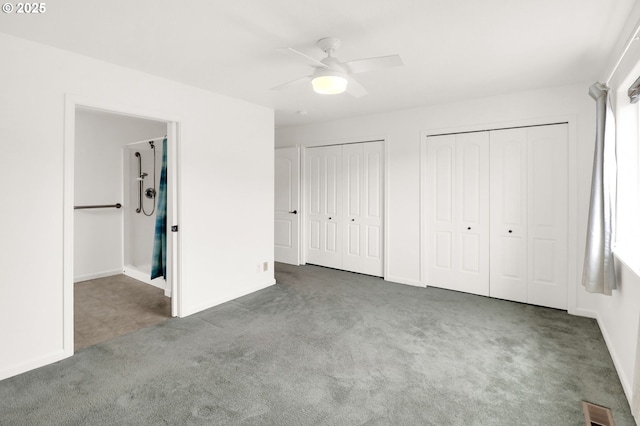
point(108, 307)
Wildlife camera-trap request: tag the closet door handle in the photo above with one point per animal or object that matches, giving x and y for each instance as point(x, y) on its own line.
point(294, 212)
point(329, 218)
point(510, 231)
point(353, 220)
point(469, 228)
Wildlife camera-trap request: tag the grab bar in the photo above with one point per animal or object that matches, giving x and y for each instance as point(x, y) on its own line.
point(99, 206)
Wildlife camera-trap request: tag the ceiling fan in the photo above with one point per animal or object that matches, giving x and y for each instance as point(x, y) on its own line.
point(332, 77)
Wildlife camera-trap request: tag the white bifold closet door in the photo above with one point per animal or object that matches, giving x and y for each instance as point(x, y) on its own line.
point(496, 213)
point(345, 207)
point(529, 215)
point(324, 211)
point(457, 248)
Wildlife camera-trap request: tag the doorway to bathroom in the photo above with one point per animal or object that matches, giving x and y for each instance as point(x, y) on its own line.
point(124, 253)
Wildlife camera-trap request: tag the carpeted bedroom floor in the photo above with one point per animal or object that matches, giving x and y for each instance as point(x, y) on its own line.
point(333, 348)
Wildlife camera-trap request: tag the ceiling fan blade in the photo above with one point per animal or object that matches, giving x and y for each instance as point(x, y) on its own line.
point(292, 83)
point(307, 59)
point(355, 89)
point(372, 64)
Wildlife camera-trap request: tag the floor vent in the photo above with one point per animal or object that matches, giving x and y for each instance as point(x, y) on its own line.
point(595, 415)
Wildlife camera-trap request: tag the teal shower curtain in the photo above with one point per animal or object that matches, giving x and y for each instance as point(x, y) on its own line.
point(159, 257)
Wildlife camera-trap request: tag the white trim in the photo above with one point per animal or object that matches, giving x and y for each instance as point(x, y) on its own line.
point(32, 364)
point(159, 138)
point(143, 276)
point(405, 281)
point(300, 205)
point(303, 205)
point(97, 275)
point(585, 313)
point(385, 210)
point(174, 243)
point(220, 300)
point(68, 223)
point(626, 386)
point(572, 172)
point(422, 205)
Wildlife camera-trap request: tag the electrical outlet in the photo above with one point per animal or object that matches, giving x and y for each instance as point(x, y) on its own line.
point(265, 266)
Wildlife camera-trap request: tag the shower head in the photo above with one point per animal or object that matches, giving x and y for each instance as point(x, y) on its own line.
point(143, 175)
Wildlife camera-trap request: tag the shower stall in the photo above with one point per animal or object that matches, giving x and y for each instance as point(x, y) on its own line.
point(142, 169)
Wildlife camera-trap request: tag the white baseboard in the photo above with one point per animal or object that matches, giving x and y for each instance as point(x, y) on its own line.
point(626, 386)
point(219, 301)
point(32, 364)
point(97, 275)
point(145, 277)
point(583, 313)
point(404, 281)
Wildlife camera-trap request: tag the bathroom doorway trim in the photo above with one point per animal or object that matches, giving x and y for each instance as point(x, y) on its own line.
point(72, 102)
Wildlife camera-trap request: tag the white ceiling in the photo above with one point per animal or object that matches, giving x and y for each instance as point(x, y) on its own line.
point(452, 48)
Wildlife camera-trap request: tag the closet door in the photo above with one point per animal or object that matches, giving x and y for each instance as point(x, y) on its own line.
point(547, 215)
point(458, 212)
point(362, 185)
point(508, 242)
point(324, 206)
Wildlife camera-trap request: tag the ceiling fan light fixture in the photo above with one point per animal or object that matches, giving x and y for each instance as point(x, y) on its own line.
point(328, 82)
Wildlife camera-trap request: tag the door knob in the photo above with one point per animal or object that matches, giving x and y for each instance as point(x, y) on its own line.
point(510, 231)
point(329, 218)
point(294, 212)
point(469, 228)
point(353, 220)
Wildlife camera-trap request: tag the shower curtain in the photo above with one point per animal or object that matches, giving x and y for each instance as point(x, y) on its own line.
point(159, 257)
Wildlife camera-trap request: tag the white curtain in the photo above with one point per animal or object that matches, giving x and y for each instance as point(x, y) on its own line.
point(599, 274)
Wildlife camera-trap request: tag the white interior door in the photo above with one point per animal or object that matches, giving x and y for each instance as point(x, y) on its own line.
point(287, 214)
point(458, 212)
point(324, 206)
point(363, 191)
point(508, 157)
point(547, 216)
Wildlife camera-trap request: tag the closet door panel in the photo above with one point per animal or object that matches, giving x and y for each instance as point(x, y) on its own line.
point(324, 169)
point(374, 240)
point(472, 199)
point(547, 213)
point(372, 208)
point(440, 165)
point(508, 198)
point(363, 171)
point(457, 212)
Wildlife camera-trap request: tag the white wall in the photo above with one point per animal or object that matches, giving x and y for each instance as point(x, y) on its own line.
point(403, 130)
point(99, 140)
point(140, 226)
point(618, 314)
point(225, 189)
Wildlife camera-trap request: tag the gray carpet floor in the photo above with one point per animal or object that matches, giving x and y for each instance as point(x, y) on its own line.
point(333, 348)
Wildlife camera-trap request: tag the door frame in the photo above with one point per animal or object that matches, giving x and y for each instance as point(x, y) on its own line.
point(572, 199)
point(72, 102)
point(385, 208)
